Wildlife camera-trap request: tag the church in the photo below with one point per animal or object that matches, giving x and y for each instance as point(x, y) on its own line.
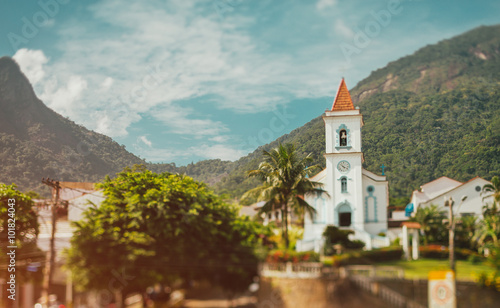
point(357, 198)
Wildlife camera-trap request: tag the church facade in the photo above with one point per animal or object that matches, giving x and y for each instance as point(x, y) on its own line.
point(357, 198)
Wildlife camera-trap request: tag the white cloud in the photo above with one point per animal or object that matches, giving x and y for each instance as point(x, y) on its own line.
point(151, 58)
point(223, 152)
point(180, 121)
point(31, 63)
point(324, 4)
point(64, 97)
point(107, 83)
point(342, 29)
point(145, 140)
point(219, 138)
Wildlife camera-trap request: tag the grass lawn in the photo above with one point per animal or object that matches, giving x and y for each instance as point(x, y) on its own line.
point(420, 268)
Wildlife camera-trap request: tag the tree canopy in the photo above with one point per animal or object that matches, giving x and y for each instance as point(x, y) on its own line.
point(26, 224)
point(161, 228)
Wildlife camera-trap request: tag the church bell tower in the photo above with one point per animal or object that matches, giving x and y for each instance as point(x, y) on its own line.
point(344, 160)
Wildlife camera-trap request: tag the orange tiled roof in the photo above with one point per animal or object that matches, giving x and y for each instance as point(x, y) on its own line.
point(411, 225)
point(343, 99)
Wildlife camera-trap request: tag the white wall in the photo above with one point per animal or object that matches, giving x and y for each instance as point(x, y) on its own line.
point(380, 195)
point(474, 202)
point(78, 205)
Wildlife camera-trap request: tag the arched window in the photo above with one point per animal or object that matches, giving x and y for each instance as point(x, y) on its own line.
point(343, 184)
point(343, 137)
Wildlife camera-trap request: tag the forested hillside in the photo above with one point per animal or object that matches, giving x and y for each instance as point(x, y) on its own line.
point(37, 142)
point(433, 113)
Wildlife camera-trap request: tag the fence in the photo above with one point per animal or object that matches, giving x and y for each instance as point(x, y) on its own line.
point(372, 271)
point(292, 270)
point(371, 285)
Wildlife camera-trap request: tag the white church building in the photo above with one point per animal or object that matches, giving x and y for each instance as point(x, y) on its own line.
point(357, 198)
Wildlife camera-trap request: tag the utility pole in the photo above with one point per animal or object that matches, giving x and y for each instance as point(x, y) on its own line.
point(451, 227)
point(49, 264)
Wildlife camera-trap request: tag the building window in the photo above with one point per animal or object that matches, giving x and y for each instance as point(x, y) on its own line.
point(343, 184)
point(478, 188)
point(270, 216)
point(277, 215)
point(343, 138)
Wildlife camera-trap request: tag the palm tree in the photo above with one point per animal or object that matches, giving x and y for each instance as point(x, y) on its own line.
point(285, 182)
point(492, 190)
point(430, 219)
point(488, 232)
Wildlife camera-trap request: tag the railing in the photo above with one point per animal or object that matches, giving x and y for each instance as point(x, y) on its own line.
point(373, 271)
point(292, 270)
point(388, 295)
point(367, 278)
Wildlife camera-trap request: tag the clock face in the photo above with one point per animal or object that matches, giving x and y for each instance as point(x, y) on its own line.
point(343, 166)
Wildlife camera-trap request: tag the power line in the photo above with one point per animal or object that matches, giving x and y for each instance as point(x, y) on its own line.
point(47, 279)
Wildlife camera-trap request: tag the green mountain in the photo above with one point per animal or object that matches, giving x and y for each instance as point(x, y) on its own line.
point(37, 142)
point(433, 113)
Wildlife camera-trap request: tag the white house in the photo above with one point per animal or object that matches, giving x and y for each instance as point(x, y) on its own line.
point(438, 191)
point(358, 198)
point(79, 204)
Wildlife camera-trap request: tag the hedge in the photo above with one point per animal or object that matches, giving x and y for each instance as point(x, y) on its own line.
point(281, 256)
point(442, 252)
point(367, 256)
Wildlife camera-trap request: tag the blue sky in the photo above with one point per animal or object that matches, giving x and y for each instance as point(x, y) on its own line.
point(186, 80)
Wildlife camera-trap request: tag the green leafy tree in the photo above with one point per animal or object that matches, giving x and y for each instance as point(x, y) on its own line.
point(22, 216)
point(26, 224)
point(162, 228)
point(431, 221)
point(464, 232)
point(285, 182)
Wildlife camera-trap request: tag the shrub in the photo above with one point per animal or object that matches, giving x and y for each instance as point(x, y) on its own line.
point(442, 252)
point(280, 256)
point(334, 235)
point(367, 257)
point(489, 281)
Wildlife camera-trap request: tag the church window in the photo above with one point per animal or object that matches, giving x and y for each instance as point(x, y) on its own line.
point(370, 189)
point(478, 188)
point(343, 138)
point(343, 184)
